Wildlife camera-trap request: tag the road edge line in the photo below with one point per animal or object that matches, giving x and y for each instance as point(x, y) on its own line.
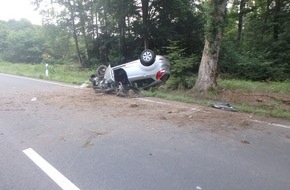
point(44, 81)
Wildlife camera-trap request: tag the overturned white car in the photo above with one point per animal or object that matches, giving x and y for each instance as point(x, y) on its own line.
point(148, 71)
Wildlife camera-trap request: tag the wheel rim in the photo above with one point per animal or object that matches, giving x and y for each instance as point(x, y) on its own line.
point(102, 71)
point(147, 56)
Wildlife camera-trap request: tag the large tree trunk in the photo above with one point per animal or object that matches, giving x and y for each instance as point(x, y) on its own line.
point(207, 74)
point(145, 18)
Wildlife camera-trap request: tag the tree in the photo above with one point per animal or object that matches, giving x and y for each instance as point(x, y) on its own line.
point(262, 50)
point(56, 41)
point(20, 42)
point(71, 6)
point(240, 23)
point(4, 32)
point(207, 74)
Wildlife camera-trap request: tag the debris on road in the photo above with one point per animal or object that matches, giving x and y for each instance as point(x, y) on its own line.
point(224, 106)
point(86, 85)
point(33, 99)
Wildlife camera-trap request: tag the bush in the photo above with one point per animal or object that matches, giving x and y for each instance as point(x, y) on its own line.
point(253, 66)
point(183, 68)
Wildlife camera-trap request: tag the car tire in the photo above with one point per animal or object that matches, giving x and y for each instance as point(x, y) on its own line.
point(100, 72)
point(147, 57)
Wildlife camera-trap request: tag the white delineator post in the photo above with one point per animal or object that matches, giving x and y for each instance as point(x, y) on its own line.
point(46, 70)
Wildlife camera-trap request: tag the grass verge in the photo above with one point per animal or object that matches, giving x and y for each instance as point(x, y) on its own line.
point(264, 99)
point(63, 73)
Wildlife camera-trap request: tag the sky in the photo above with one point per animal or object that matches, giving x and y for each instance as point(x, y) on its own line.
point(18, 9)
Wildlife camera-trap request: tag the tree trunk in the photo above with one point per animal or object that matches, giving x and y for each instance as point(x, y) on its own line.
point(83, 26)
point(75, 36)
point(240, 23)
point(122, 24)
point(276, 26)
point(145, 6)
point(207, 74)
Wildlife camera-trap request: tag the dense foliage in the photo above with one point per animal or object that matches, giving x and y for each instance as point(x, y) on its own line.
point(20, 42)
point(258, 48)
point(255, 45)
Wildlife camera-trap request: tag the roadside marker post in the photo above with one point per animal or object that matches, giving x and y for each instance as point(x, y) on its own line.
point(46, 70)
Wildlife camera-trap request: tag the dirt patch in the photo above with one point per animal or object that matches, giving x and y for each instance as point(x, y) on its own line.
point(181, 114)
point(269, 100)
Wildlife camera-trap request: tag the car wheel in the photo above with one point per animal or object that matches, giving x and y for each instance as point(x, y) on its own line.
point(147, 57)
point(100, 72)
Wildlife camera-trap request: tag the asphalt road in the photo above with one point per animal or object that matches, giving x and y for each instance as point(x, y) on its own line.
point(47, 146)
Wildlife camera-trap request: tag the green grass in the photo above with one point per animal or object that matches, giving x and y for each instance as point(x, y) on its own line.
point(73, 75)
point(180, 96)
point(273, 108)
point(63, 73)
point(255, 86)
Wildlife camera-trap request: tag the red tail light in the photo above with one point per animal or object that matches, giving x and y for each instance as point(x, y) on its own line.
point(160, 74)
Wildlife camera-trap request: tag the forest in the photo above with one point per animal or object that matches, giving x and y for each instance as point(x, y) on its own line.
point(255, 41)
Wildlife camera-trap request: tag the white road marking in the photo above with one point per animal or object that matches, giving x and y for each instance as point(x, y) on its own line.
point(152, 101)
point(196, 109)
point(55, 175)
point(274, 124)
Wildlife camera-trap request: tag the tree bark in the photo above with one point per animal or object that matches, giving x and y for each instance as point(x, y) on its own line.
point(276, 26)
point(240, 23)
point(122, 23)
point(75, 35)
point(207, 74)
point(145, 15)
point(83, 26)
